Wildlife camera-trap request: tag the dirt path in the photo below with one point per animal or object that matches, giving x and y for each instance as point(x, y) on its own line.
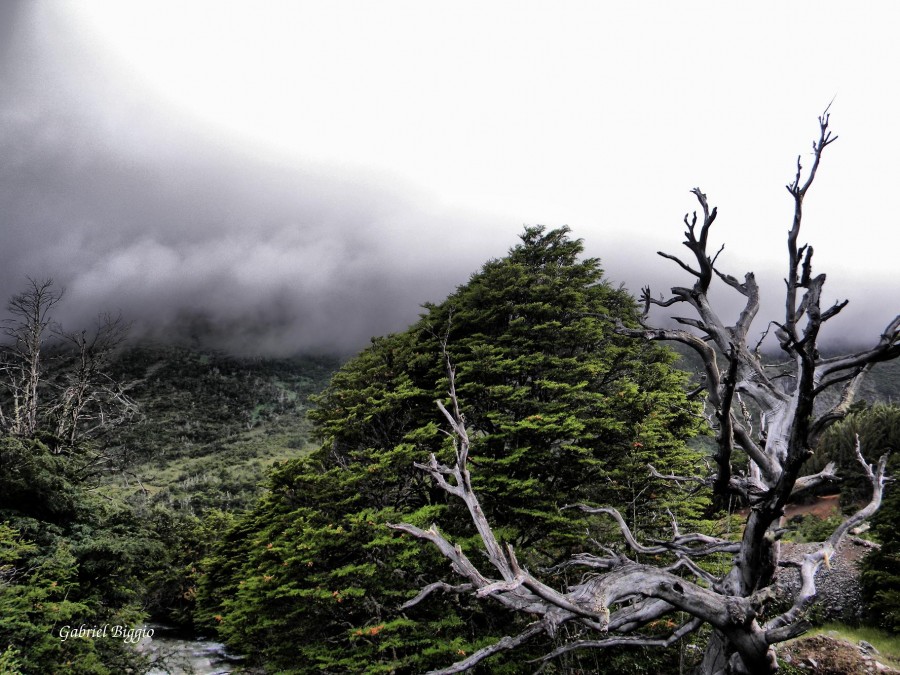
point(823, 507)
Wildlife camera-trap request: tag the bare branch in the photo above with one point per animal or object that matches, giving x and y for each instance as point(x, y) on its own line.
point(888, 348)
point(503, 644)
point(683, 265)
point(763, 336)
point(436, 586)
point(680, 544)
point(630, 640)
point(813, 480)
point(673, 477)
point(795, 254)
point(647, 299)
point(840, 409)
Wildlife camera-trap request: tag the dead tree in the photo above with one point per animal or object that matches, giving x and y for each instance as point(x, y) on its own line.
point(53, 382)
point(619, 598)
point(21, 363)
point(89, 402)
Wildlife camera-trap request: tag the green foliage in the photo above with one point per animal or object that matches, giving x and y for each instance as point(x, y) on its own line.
point(811, 528)
point(211, 425)
point(113, 561)
point(9, 662)
point(67, 557)
point(878, 429)
point(171, 578)
point(560, 410)
point(191, 400)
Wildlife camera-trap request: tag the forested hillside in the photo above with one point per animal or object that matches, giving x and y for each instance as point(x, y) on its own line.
point(118, 466)
point(210, 425)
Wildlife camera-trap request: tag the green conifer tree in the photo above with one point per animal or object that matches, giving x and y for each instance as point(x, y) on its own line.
point(561, 411)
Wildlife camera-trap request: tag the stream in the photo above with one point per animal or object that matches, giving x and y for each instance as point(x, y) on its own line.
point(174, 653)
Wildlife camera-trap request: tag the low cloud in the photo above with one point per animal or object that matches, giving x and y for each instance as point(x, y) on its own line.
point(271, 259)
point(186, 235)
point(132, 209)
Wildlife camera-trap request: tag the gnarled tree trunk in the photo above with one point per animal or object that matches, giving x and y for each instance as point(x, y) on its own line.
point(622, 597)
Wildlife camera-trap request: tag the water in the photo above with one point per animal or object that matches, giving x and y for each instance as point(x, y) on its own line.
point(174, 654)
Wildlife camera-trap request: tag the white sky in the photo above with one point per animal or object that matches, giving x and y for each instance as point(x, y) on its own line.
point(595, 114)
point(599, 115)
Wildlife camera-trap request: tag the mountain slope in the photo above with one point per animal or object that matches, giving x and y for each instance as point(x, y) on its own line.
point(209, 424)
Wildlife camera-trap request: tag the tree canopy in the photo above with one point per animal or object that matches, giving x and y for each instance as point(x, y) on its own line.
point(563, 410)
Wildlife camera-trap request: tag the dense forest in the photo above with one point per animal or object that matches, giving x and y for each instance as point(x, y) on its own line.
point(248, 499)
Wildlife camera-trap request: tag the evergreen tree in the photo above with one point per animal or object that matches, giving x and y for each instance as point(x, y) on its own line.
point(561, 410)
point(67, 558)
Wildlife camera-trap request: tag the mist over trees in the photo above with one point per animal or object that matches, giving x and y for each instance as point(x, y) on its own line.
point(89, 533)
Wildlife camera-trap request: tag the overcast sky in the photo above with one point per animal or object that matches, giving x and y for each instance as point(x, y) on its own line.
point(303, 175)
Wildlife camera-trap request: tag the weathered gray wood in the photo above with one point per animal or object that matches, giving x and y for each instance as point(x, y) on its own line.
point(622, 596)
